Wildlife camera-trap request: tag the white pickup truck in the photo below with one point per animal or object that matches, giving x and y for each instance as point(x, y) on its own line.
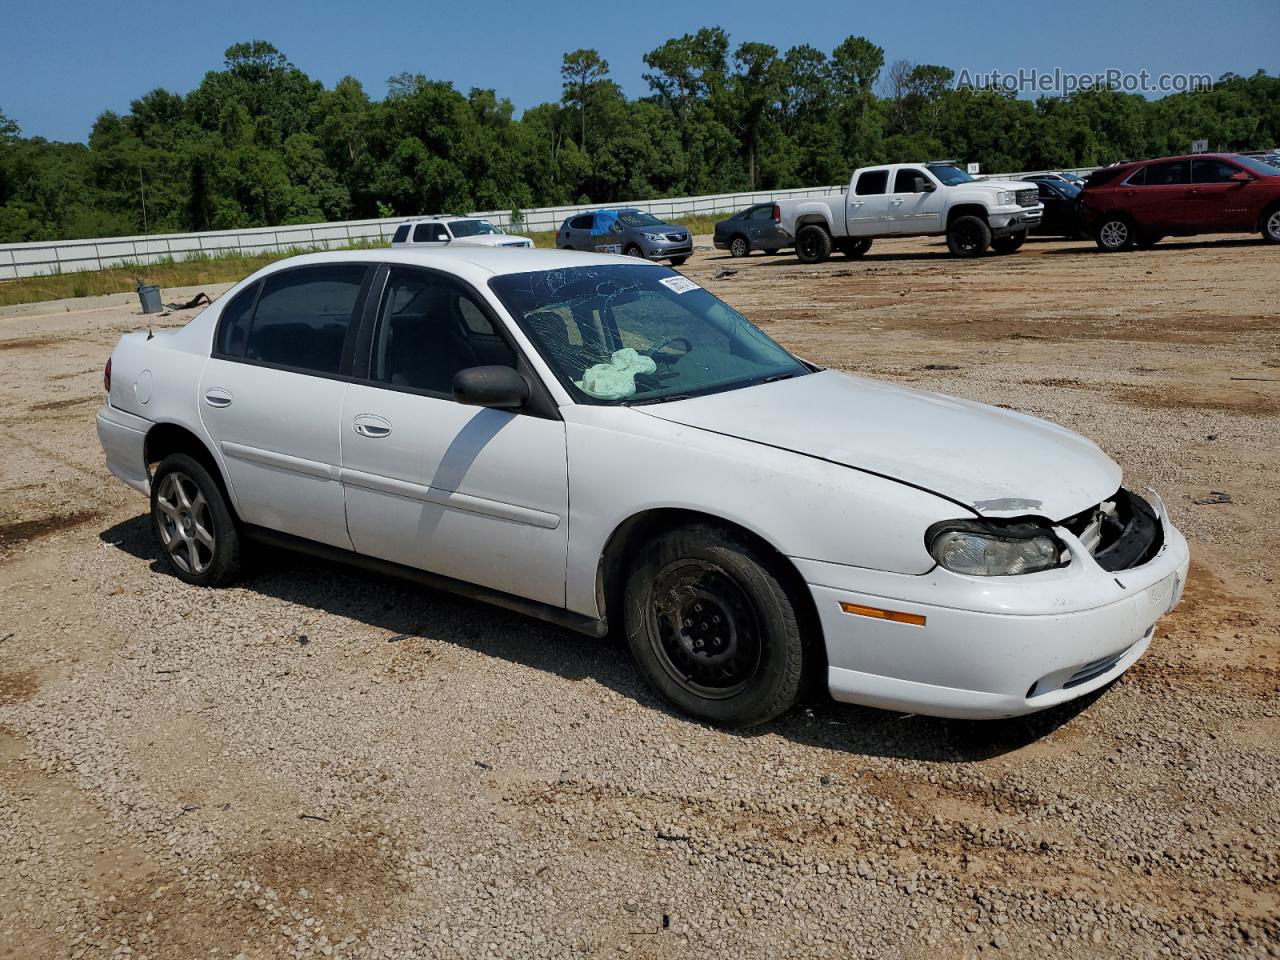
point(912, 199)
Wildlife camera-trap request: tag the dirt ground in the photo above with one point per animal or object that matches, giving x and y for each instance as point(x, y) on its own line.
point(318, 762)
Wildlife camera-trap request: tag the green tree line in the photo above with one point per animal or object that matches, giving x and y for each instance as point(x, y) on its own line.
point(258, 142)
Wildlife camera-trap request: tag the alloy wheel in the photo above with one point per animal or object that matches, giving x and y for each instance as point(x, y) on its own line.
point(1273, 226)
point(1114, 234)
point(186, 524)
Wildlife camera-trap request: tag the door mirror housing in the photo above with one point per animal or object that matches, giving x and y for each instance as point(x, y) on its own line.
point(491, 386)
point(926, 186)
point(1241, 177)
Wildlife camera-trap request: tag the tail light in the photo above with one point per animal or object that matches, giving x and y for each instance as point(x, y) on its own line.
point(106, 376)
point(776, 213)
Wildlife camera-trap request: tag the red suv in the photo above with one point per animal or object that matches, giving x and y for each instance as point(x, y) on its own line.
point(1138, 204)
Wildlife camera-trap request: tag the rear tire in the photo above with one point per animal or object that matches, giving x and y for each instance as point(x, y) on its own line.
point(1009, 244)
point(968, 236)
point(855, 248)
point(193, 523)
point(739, 247)
point(712, 627)
point(813, 243)
point(1115, 233)
point(1271, 225)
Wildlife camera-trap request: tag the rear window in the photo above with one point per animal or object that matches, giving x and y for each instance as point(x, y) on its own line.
point(1167, 174)
point(872, 182)
point(303, 317)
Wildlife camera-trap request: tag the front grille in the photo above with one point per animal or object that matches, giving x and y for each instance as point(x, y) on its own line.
point(1028, 198)
point(677, 237)
point(1120, 533)
point(1091, 671)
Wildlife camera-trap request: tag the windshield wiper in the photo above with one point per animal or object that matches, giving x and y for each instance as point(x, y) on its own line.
point(647, 400)
point(778, 376)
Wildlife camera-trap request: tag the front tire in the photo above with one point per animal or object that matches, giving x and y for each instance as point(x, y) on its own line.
point(193, 523)
point(1271, 225)
point(968, 236)
point(1009, 244)
point(813, 244)
point(739, 247)
point(634, 251)
point(1115, 234)
point(712, 627)
point(679, 261)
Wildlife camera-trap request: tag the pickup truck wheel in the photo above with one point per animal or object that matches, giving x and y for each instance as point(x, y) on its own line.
point(712, 627)
point(193, 524)
point(1271, 225)
point(856, 248)
point(813, 244)
point(968, 236)
point(739, 247)
point(1009, 244)
point(1114, 234)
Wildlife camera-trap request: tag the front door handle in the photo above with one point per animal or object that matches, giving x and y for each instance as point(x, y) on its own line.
point(895, 203)
point(367, 425)
point(217, 397)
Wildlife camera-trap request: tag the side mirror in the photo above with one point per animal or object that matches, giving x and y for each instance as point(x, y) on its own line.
point(491, 386)
point(926, 186)
point(1241, 177)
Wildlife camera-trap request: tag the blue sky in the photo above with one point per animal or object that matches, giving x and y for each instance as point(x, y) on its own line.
point(63, 62)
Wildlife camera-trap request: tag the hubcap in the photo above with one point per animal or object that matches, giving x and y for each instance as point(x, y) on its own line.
point(704, 629)
point(185, 523)
point(1115, 233)
point(1273, 225)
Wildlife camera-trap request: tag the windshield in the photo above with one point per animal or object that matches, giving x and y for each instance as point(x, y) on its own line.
point(637, 218)
point(472, 228)
point(1258, 167)
point(639, 334)
point(948, 174)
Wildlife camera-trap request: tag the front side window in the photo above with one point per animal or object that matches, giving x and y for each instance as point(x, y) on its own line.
point(1212, 170)
point(429, 327)
point(910, 181)
point(872, 183)
point(1168, 174)
point(639, 334)
point(303, 317)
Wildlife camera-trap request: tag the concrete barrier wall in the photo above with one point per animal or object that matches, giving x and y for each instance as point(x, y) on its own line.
point(69, 256)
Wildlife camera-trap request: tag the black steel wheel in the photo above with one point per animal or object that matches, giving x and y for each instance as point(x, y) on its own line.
point(713, 627)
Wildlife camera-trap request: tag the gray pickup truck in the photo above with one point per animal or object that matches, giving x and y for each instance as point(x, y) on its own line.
point(912, 199)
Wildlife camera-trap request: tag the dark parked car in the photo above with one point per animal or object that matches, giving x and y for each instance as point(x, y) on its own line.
point(751, 229)
point(1061, 199)
point(631, 232)
point(1138, 204)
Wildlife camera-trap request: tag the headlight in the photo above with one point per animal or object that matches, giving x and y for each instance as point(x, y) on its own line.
point(1007, 198)
point(654, 236)
point(989, 549)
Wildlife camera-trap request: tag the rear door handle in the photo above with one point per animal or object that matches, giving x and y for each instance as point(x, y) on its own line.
point(368, 425)
point(217, 397)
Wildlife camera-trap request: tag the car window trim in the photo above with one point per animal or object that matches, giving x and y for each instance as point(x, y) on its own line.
point(541, 404)
point(344, 362)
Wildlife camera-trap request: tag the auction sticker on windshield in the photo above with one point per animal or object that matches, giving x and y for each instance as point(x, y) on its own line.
point(679, 284)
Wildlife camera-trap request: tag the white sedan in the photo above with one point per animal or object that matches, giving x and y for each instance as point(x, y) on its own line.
point(602, 443)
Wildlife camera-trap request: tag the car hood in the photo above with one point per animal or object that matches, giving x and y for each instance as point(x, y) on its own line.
point(489, 240)
point(1007, 184)
point(997, 462)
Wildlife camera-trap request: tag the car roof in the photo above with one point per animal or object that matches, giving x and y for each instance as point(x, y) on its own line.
point(476, 263)
point(444, 219)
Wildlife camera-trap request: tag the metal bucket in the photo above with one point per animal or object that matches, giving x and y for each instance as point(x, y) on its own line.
point(149, 295)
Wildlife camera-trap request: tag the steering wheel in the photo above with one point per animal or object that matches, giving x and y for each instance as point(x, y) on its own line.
point(667, 357)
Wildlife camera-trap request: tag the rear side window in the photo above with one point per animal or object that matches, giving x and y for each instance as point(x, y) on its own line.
point(233, 326)
point(582, 222)
point(872, 182)
point(401, 234)
point(762, 213)
point(303, 317)
point(1166, 174)
point(1104, 176)
point(1212, 170)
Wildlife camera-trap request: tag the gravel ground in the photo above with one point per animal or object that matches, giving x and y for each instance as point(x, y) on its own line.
point(319, 762)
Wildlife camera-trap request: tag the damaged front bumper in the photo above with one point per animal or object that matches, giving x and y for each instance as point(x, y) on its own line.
point(986, 647)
